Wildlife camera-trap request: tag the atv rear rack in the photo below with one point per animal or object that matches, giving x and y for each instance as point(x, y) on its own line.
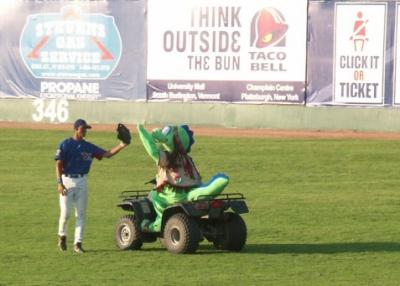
point(222, 197)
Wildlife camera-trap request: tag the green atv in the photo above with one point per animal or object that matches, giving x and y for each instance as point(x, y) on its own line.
point(184, 225)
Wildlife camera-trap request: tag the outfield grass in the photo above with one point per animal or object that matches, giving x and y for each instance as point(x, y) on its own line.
point(322, 212)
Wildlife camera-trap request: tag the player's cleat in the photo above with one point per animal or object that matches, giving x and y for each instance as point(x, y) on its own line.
point(78, 248)
point(62, 243)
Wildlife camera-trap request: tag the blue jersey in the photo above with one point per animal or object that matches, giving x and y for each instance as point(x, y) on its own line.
point(77, 156)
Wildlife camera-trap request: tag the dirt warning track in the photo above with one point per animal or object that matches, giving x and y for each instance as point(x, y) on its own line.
point(223, 132)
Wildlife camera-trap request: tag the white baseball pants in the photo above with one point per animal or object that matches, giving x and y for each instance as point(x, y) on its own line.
point(76, 197)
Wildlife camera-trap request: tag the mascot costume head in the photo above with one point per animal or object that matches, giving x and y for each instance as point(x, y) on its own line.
point(173, 138)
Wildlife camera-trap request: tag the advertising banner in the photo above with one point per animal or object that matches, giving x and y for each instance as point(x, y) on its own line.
point(73, 50)
point(70, 44)
point(224, 50)
point(396, 93)
point(360, 39)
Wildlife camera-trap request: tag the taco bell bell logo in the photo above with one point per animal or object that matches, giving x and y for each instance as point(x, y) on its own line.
point(70, 45)
point(268, 28)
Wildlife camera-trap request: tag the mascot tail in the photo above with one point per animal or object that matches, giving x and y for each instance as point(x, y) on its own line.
point(213, 187)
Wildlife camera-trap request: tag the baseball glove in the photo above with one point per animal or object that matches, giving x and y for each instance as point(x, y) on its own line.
point(123, 133)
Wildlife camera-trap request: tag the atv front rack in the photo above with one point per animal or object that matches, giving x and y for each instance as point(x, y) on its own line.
point(128, 195)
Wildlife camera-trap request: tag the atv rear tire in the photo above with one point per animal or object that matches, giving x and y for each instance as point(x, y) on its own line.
point(232, 233)
point(181, 234)
point(127, 233)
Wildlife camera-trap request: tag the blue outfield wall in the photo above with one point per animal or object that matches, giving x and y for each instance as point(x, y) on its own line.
point(331, 66)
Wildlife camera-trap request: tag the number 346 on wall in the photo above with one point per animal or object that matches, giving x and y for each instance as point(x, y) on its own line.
point(54, 110)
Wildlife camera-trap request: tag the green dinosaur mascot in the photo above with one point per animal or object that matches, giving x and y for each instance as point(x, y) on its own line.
point(177, 178)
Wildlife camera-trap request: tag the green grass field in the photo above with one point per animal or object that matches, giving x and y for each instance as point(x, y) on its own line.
point(322, 212)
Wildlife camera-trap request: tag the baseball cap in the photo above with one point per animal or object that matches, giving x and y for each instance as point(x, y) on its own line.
point(80, 122)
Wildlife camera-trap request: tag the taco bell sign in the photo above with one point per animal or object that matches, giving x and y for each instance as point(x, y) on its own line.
point(70, 45)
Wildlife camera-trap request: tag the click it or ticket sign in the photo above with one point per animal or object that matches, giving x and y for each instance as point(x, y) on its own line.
point(360, 39)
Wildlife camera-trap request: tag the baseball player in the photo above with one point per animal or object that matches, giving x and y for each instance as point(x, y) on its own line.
point(73, 159)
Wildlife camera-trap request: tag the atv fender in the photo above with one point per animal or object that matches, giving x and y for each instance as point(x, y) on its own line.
point(187, 209)
point(141, 208)
point(239, 207)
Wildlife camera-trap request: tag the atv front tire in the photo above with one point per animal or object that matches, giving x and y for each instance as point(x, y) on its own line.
point(127, 233)
point(181, 234)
